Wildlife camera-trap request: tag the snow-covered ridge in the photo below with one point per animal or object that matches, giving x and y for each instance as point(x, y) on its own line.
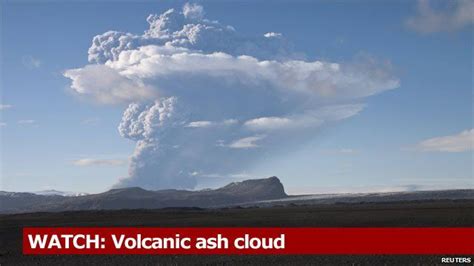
point(51, 192)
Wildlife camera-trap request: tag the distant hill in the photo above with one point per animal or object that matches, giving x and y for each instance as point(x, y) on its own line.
point(138, 198)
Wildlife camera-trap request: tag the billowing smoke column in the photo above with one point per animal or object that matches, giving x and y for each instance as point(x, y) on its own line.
point(206, 101)
point(153, 128)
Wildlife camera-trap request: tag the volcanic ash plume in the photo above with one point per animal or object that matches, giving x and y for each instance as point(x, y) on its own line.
point(153, 127)
point(207, 101)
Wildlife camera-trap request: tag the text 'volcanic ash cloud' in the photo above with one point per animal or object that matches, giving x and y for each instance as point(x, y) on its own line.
point(205, 100)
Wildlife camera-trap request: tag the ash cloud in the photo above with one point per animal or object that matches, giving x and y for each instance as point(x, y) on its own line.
point(206, 100)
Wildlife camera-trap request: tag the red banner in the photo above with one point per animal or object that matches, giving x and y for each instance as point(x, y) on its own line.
point(154, 240)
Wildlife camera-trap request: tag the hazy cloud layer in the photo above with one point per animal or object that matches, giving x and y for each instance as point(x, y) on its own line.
point(246, 143)
point(5, 106)
point(26, 122)
point(31, 62)
point(99, 162)
point(205, 99)
point(442, 16)
point(93, 121)
point(461, 142)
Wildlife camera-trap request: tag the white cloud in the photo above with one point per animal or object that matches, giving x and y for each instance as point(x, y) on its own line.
point(451, 16)
point(246, 143)
point(26, 122)
point(327, 80)
point(128, 78)
point(105, 85)
point(193, 11)
point(198, 124)
point(5, 106)
point(99, 162)
point(269, 123)
point(314, 118)
point(2, 124)
point(272, 34)
point(206, 124)
point(31, 62)
point(461, 142)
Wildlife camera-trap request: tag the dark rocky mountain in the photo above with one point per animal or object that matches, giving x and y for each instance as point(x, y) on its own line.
point(138, 198)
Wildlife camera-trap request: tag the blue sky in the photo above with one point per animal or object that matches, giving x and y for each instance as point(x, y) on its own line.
point(408, 136)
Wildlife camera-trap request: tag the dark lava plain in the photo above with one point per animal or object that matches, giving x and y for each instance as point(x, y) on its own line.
point(401, 214)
